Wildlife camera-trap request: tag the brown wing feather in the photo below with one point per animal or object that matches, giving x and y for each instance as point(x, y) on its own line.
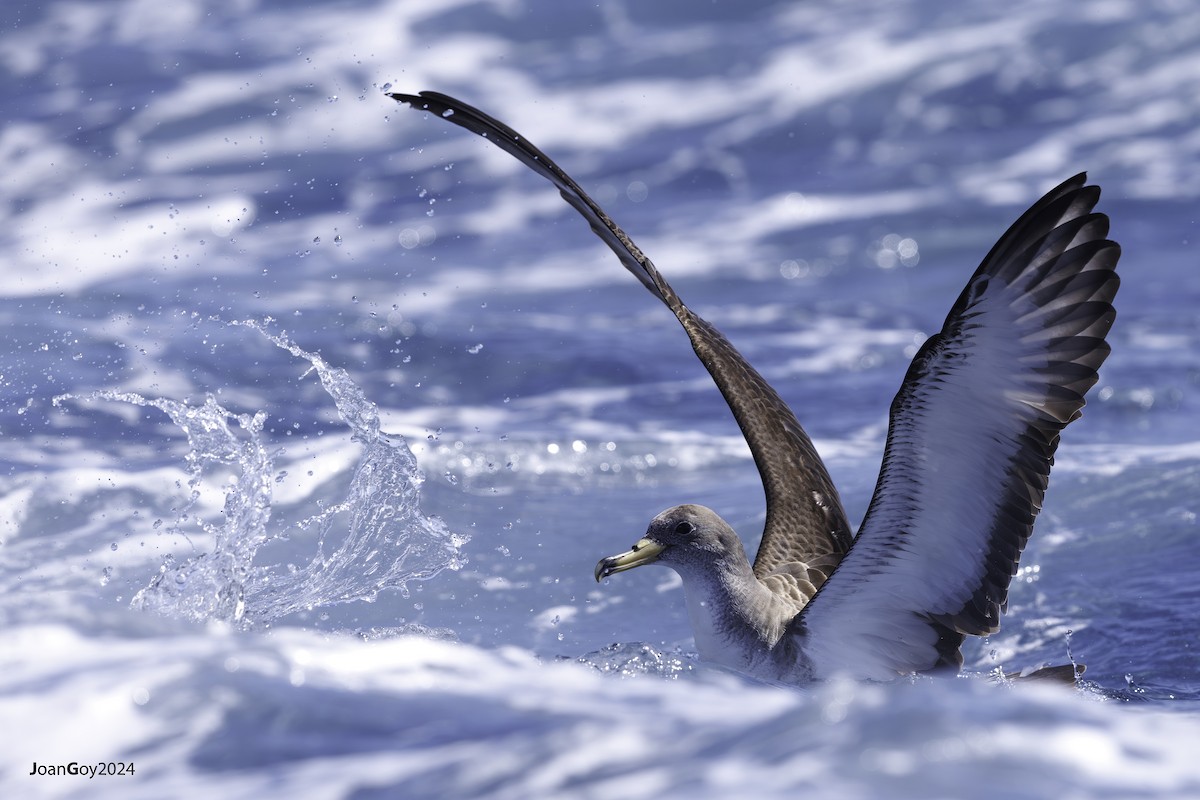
point(806, 527)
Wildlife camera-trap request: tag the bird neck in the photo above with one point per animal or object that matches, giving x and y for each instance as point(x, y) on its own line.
point(734, 616)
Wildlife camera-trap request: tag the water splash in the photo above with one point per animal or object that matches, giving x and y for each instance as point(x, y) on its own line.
point(632, 659)
point(388, 542)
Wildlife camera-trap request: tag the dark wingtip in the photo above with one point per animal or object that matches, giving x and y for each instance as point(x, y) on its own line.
point(445, 105)
point(1068, 674)
point(414, 100)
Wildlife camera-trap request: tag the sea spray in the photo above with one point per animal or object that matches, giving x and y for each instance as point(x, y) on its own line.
point(387, 541)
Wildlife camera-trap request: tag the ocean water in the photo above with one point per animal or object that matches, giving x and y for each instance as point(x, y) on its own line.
point(318, 412)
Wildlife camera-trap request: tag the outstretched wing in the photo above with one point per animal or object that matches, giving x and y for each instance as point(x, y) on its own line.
point(972, 437)
point(805, 521)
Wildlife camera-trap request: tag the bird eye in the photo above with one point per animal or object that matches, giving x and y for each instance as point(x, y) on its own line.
point(684, 528)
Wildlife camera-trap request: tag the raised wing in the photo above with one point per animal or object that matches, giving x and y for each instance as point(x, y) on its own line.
point(972, 437)
point(805, 521)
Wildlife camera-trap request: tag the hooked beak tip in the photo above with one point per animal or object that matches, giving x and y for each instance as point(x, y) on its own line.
point(646, 551)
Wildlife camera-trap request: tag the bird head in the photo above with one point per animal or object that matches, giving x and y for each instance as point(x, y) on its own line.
point(680, 537)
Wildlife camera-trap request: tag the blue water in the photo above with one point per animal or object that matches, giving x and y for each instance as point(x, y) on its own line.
point(349, 403)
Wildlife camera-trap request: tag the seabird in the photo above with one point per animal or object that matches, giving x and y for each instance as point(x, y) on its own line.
point(971, 440)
